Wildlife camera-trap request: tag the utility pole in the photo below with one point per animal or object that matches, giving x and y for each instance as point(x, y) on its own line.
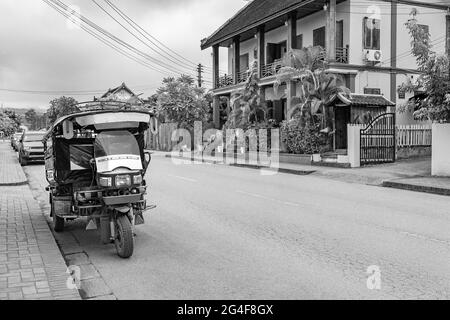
point(200, 74)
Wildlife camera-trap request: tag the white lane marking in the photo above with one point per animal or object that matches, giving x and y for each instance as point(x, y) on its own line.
point(182, 178)
point(419, 236)
point(268, 198)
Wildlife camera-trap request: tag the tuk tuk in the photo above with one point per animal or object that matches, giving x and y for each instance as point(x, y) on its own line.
point(95, 164)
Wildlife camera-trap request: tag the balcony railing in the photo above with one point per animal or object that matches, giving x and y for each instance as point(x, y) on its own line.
point(225, 81)
point(342, 54)
point(243, 75)
point(271, 69)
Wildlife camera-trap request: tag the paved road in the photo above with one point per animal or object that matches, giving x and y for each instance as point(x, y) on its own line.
point(231, 233)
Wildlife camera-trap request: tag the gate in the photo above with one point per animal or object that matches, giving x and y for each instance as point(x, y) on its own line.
point(378, 140)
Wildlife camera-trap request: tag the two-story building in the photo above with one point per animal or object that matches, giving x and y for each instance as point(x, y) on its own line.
point(366, 42)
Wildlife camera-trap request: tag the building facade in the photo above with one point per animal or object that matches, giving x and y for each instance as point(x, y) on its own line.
point(366, 42)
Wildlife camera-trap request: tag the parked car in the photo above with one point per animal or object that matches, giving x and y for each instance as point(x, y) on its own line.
point(31, 147)
point(15, 140)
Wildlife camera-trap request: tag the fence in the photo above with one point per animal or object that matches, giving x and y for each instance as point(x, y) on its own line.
point(162, 140)
point(413, 135)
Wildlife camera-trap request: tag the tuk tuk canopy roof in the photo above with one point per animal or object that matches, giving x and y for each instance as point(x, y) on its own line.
point(102, 118)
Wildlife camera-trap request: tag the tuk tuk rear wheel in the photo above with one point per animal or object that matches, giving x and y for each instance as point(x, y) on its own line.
point(22, 161)
point(124, 237)
point(58, 222)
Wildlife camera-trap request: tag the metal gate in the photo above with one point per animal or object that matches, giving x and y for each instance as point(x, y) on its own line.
point(378, 140)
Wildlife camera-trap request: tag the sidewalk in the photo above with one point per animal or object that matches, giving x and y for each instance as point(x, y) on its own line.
point(409, 174)
point(9, 175)
point(31, 264)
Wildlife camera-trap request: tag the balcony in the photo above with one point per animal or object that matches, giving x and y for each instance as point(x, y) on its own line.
point(225, 81)
point(271, 69)
point(342, 54)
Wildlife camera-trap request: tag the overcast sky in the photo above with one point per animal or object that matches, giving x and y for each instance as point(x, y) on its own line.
point(41, 51)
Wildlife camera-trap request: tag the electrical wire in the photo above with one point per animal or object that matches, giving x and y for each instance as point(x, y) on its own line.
point(140, 40)
point(108, 43)
point(118, 40)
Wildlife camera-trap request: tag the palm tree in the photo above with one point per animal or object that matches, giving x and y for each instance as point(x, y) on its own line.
point(246, 104)
point(318, 87)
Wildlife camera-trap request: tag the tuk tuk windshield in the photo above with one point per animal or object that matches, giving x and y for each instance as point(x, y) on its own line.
point(110, 143)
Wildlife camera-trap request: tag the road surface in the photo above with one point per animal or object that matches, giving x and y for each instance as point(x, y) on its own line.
point(223, 232)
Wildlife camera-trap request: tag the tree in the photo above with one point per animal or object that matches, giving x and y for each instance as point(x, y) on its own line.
point(318, 87)
point(60, 107)
point(434, 81)
point(246, 106)
point(32, 118)
point(7, 125)
point(15, 118)
point(180, 101)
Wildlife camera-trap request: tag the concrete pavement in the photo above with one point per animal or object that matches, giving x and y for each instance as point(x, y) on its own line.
point(231, 233)
point(31, 265)
point(410, 174)
point(10, 174)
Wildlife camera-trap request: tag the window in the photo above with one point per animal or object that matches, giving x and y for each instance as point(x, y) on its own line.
point(371, 33)
point(299, 42)
point(276, 51)
point(372, 91)
point(244, 62)
point(319, 37)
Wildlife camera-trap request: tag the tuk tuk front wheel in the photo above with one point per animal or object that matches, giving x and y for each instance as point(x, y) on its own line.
point(105, 230)
point(124, 237)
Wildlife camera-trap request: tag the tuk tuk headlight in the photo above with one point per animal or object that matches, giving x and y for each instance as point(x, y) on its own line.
point(123, 181)
point(105, 181)
point(137, 179)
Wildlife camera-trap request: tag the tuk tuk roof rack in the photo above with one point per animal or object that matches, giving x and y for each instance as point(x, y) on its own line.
point(107, 105)
point(97, 106)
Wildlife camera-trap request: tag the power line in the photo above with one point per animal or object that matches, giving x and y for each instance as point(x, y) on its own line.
point(144, 33)
point(139, 39)
point(118, 40)
point(107, 42)
point(408, 52)
point(173, 54)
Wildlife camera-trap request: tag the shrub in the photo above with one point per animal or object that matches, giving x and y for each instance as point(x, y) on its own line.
point(302, 138)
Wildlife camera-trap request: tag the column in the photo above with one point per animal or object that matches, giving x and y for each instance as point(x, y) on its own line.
point(330, 32)
point(236, 59)
point(447, 47)
point(216, 112)
point(291, 42)
point(215, 55)
point(393, 76)
point(260, 37)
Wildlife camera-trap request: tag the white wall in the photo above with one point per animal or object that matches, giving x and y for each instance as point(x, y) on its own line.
point(306, 25)
point(358, 12)
point(372, 79)
point(440, 149)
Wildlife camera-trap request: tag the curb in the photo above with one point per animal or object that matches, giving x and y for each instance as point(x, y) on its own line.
point(249, 166)
point(14, 184)
point(417, 188)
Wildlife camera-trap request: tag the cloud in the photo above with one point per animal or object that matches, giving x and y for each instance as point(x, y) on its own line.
point(38, 51)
